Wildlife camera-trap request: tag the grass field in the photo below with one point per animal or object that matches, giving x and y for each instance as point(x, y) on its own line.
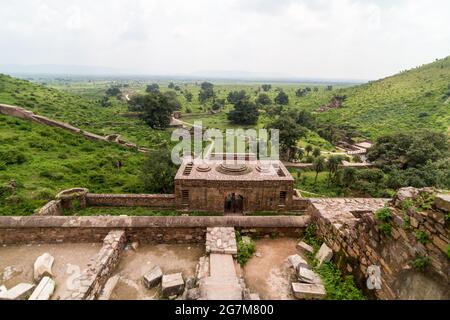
point(36, 162)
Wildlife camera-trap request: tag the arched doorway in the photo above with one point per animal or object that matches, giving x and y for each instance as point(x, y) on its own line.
point(234, 204)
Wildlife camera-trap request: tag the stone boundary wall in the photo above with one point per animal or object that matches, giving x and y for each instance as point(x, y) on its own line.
point(300, 204)
point(166, 201)
point(101, 266)
point(53, 208)
point(358, 244)
point(22, 113)
point(58, 229)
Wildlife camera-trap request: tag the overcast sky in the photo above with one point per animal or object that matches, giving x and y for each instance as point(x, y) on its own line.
point(351, 39)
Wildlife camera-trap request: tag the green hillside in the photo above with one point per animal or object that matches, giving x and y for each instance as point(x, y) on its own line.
point(38, 161)
point(78, 111)
point(414, 99)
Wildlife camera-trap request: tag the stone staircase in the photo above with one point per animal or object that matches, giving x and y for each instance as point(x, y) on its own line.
point(222, 282)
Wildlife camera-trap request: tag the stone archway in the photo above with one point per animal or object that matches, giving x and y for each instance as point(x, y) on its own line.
point(234, 204)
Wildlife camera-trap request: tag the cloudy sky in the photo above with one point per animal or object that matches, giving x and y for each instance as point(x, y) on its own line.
point(351, 39)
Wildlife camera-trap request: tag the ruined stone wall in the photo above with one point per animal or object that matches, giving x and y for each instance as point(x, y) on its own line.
point(210, 195)
point(166, 201)
point(53, 208)
point(41, 229)
point(354, 235)
point(21, 113)
point(101, 267)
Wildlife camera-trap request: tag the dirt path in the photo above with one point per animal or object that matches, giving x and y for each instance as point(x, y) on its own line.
point(134, 265)
point(270, 275)
point(69, 259)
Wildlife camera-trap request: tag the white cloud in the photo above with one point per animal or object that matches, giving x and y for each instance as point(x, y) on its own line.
point(305, 38)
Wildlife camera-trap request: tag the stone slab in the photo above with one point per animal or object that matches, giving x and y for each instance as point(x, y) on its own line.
point(296, 261)
point(43, 266)
point(172, 285)
point(153, 278)
point(324, 255)
point(19, 292)
point(304, 248)
point(44, 290)
point(308, 291)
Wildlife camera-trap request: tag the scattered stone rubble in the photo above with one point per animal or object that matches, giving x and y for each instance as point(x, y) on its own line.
point(221, 240)
point(309, 285)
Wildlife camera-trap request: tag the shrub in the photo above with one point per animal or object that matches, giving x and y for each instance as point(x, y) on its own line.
point(338, 287)
point(384, 215)
point(421, 263)
point(422, 237)
point(11, 156)
point(246, 248)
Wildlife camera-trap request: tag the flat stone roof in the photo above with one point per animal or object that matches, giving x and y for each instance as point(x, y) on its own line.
point(233, 170)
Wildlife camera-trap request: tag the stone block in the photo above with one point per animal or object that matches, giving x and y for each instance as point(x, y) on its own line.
point(193, 294)
point(304, 247)
point(153, 278)
point(442, 202)
point(295, 261)
point(172, 285)
point(324, 255)
point(19, 292)
point(44, 290)
point(109, 287)
point(43, 266)
point(308, 276)
point(308, 291)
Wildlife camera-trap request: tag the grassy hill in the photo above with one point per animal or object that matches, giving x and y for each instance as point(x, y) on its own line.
point(38, 161)
point(414, 99)
point(81, 112)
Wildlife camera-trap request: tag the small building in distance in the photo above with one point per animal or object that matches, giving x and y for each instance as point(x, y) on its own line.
point(233, 184)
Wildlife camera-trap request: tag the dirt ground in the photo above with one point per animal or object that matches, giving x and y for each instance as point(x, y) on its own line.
point(135, 264)
point(69, 260)
point(270, 275)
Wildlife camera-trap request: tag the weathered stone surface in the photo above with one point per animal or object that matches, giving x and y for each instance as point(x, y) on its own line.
point(324, 255)
point(308, 276)
point(19, 292)
point(3, 289)
point(109, 287)
point(296, 261)
point(44, 290)
point(221, 240)
point(304, 247)
point(254, 296)
point(43, 266)
point(442, 202)
point(153, 278)
point(172, 284)
point(10, 272)
point(193, 294)
point(308, 291)
point(405, 193)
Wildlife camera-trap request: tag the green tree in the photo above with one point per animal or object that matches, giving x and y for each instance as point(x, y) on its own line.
point(155, 108)
point(289, 133)
point(245, 112)
point(348, 176)
point(235, 97)
point(409, 150)
point(263, 99)
point(309, 148)
point(266, 87)
point(152, 88)
point(318, 166)
point(113, 91)
point(282, 98)
point(316, 152)
point(171, 85)
point(206, 92)
point(333, 164)
point(158, 172)
point(188, 95)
